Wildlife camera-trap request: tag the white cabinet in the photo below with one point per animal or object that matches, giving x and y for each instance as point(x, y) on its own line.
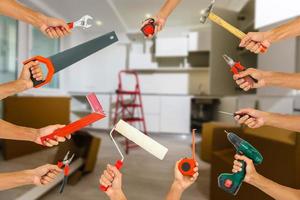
point(200, 40)
point(171, 47)
point(175, 114)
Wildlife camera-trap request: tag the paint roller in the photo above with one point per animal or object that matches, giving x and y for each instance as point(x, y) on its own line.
point(138, 138)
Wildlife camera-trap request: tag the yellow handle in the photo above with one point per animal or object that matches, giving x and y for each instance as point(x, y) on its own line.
point(238, 33)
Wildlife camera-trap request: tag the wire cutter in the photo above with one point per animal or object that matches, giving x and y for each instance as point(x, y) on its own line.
point(66, 165)
point(82, 22)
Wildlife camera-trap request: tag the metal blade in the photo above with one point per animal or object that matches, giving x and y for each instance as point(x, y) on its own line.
point(68, 57)
point(226, 113)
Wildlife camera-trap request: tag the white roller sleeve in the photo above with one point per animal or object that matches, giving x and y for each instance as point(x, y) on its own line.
point(141, 139)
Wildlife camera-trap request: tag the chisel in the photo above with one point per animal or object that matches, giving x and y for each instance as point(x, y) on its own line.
point(68, 57)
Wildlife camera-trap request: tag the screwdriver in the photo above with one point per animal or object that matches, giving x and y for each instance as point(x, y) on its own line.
point(236, 67)
point(233, 114)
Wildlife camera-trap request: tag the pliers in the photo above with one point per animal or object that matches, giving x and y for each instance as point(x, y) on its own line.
point(82, 22)
point(66, 165)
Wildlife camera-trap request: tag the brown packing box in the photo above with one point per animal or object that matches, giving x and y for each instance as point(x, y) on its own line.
point(35, 112)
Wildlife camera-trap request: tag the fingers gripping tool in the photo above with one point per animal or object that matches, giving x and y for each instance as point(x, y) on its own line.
point(149, 28)
point(231, 183)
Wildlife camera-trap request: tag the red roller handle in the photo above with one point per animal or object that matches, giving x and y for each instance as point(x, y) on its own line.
point(118, 165)
point(186, 166)
point(75, 126)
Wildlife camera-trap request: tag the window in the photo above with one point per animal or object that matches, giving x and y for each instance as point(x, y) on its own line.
point(41, 45)
point(8, 49)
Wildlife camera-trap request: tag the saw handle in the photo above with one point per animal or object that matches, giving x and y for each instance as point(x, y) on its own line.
point(118, 165)
point(50, 69)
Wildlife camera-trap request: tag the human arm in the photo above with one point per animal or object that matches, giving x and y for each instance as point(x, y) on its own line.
point(14, 132)
point(256, 118)
point(23, 82)
point(181, 183)
point(275, 190)
point(112, 177)
point(39, 176)
point(49, 26)
point(253, 40)
point(162, 15)
point(267, 79)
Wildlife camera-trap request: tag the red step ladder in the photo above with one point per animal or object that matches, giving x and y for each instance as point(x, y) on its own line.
point(129, 106)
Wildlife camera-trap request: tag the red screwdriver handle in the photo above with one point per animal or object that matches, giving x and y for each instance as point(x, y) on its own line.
point(118, 165)
point(50, 68)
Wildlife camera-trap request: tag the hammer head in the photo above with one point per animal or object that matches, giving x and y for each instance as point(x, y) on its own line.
point(205, 13)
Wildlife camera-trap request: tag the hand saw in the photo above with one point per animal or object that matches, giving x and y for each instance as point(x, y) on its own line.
point(68, 57)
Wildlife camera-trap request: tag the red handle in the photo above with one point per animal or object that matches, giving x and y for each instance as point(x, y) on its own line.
point(263, 48)
point(118, 165)
point(50, 67)
point(237, 68)
point(75, 126)
point(71, 25)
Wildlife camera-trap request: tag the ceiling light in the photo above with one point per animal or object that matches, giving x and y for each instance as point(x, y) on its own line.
point(98, 23)
point(148, 15)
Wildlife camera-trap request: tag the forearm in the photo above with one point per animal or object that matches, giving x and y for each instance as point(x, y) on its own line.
point(167, 8)
point(16, 10)
point(280, 79)
point(15, 179)
point(290, 29)
point(274, 190)
point(12, 88)
point(175, 192)
point(289, 122)
point(13, 132)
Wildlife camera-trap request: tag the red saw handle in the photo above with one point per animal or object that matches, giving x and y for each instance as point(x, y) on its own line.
point(50, 67)
point(118, 165)
point(149, 28)
point(75, 126)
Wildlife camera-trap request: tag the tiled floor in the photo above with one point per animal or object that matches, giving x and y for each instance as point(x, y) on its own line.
point(144, 176)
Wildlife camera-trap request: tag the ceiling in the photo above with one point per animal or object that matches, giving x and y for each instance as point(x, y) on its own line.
point(127, 15)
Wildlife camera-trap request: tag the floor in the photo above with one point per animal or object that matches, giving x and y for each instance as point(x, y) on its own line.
point(144, 176)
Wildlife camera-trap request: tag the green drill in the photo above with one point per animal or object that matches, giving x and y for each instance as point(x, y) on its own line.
point(231, 183)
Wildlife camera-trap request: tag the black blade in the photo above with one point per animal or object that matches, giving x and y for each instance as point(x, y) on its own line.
point(68, 57)
point(62, 186)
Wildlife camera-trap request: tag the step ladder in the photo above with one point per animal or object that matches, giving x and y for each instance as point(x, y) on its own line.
point(129, 106)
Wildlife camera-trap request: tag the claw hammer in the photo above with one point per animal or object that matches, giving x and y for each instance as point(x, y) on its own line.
point(207, 13)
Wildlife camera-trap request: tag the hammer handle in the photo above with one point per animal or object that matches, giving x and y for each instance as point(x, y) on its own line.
point(235, 31)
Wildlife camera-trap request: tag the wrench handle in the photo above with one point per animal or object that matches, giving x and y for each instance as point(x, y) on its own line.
point(118, 165)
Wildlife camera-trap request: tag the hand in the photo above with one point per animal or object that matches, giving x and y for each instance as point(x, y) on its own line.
point(159, 24)
point(36, 70)
point(251, 117)
point(54, 28)
point(184, 181)
point(45, 174)
point(113, 178)
point(48, 130)
point(250, 168)
point(258, 75)
point(253, 41)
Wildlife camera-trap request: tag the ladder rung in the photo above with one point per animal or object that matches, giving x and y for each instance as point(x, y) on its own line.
point(131, 105)
point(127, 92)
point(133, 119)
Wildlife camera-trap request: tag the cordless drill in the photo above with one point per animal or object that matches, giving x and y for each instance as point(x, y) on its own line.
point(231, 183)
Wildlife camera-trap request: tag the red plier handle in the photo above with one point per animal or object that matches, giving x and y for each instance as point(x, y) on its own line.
point(237, 68)
point(118, 165)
